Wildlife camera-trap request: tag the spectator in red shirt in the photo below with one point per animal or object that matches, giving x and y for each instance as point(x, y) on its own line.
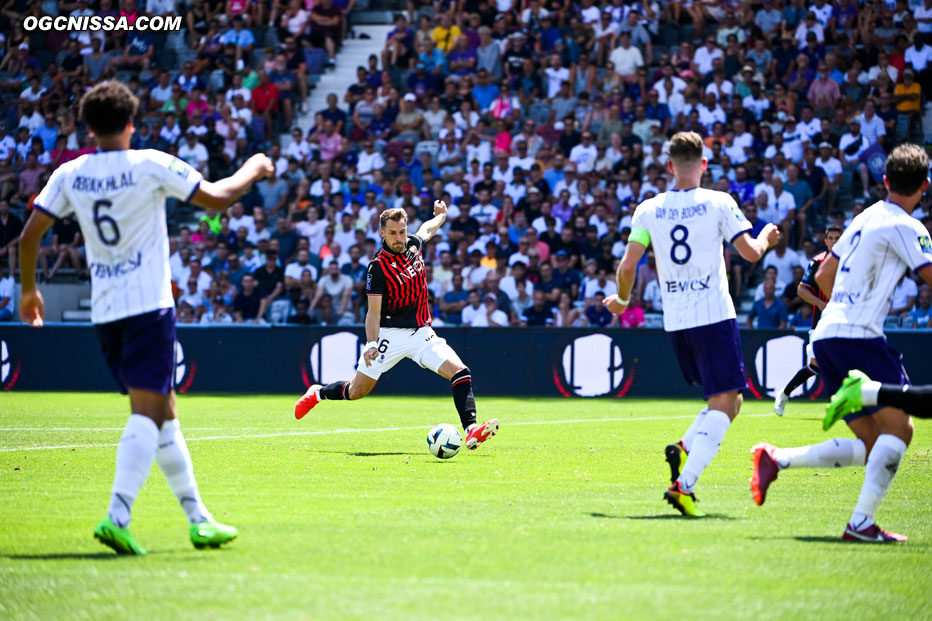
point(61, 154)
point(265, 99)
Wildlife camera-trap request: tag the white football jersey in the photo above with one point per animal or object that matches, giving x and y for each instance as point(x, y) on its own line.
point(686, 230)
point(879, 246)
point(118, 198)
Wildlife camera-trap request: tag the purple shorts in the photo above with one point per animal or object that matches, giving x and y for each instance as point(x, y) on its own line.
point(140, 350)
point(710, 356)
point(875, 357)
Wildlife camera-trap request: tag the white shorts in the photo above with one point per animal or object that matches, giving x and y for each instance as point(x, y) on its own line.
point(422, 345)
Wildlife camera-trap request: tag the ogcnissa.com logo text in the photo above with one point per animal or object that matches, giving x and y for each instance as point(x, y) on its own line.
point(75, 23)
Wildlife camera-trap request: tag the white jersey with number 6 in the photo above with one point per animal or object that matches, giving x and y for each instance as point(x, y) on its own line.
point(686, 230)
point(118, 198)
point(879, 246)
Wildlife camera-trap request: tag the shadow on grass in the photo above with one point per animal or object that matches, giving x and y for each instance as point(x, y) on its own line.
point(367, 454)
point(838, 540)
point(63, 556)
point(665, 516)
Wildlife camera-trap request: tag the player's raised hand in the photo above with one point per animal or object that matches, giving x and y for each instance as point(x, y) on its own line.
point(32, 308)
point(261, 166)
point(370, 355)
point(613, 304)
point(440, 208)
point(770, 232)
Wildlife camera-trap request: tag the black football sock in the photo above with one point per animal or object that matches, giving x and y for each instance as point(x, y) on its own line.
point(914, 400)
point(801, 376)
point(462, 397)
point(337, 391)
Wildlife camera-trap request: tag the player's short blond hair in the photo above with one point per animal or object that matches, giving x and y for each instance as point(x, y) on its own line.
point(396, 214)
point(686, 148)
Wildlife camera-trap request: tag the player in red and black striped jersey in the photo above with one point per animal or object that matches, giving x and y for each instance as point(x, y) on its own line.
point(398, 325)
point(809, 291)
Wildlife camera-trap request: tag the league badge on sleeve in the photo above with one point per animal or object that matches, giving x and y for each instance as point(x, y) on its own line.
point(368, 282)
point(179, 168)
point(925, 243)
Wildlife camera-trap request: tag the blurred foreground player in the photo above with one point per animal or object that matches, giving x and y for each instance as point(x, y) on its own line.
point(859, 277)
point(687, 227)
point(809, 291)
point(118, 196)
point(398, 326)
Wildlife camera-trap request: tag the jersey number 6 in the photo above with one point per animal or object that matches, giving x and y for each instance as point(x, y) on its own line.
point(110, 236)
point(679, 234)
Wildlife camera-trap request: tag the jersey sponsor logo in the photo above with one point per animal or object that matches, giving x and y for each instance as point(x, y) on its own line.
point(685, 213)
point(103, 185)
point(116, 270)
point(683, 286)
point(925, 244)
point(843, 297)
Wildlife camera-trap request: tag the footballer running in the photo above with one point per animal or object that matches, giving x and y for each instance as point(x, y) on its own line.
point(398, 326)
point(859, 277)
point(118, 197)
point(687, 227)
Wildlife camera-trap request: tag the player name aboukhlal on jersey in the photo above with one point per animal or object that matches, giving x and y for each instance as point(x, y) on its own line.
point(99, 185)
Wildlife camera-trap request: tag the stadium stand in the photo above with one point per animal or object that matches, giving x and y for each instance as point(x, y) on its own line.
point(541, 123)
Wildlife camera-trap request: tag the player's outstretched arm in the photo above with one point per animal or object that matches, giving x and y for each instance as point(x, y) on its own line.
point(373, 321)
point(31, 304)
point(430, 228)
point(220, 194)
point(627, 271)
point(752, 249)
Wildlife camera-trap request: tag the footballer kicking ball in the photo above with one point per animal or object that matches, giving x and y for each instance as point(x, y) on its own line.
point(444, 441)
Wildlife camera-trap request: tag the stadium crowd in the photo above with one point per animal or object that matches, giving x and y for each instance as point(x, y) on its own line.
point(541, 123)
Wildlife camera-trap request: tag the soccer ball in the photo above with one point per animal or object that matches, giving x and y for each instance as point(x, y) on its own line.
point(444, 441)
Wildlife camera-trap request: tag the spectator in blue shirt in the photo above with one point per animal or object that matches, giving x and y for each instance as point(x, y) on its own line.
point(454, 301)
point(769, 311)
point(596, 313)
point(484, 93)
point(239, 36)
point(921, 316)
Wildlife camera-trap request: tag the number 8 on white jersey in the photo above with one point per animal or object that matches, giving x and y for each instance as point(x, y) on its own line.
point(686, 229)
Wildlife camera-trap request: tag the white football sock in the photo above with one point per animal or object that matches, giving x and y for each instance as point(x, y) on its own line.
point(881, 468)
point(704, 448)
point(175, 462)
point(869, 392)
point(134, 458)
point(832, 453)
point(690, 434)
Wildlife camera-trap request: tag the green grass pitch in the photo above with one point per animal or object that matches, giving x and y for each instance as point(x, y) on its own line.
point(548, 520)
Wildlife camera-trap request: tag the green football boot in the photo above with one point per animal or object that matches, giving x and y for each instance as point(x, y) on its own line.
point(211, 533)
point(117, 538)
point(847, 400)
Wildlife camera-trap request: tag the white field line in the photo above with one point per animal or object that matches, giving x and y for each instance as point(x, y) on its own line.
point(325, 432)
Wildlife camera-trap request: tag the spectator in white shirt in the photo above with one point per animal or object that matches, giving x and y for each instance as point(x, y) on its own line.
point(872, 127)
point(585, 153)
point(485, 315)
point(705, 55)
point(626, 58)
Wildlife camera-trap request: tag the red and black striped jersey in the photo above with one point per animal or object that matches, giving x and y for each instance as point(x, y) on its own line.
point(401, 281)
point(810, 281)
